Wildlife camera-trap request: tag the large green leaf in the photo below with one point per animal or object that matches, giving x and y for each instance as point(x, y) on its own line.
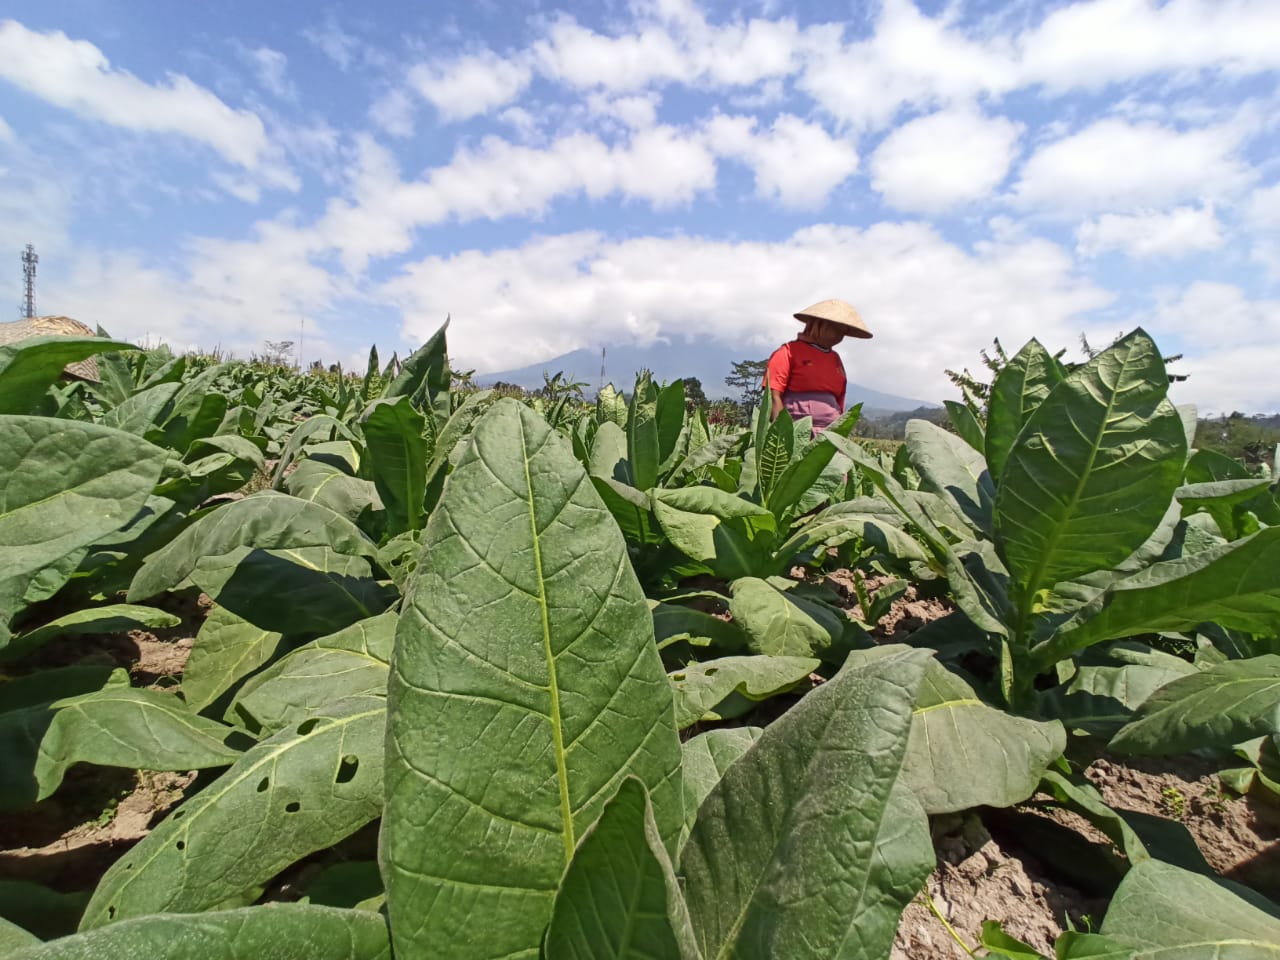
point(841, 523)
point(619, 899)
point(781, 623)
point(227, 648)
point(525, 687)
point(398, 457)
point(26, 710)
point(669, 417)
point(730, 534)
point(28, 366)
point(425, 371)
point(13, 938)
point(700, 686)
point(1166, 913)
point(609, 453)
point(1236, 585)
point(281, 563)
point(300, 590)
point(642, 434)
point(265, 520)
point(300, 791)
point(1092, 472)
point(349, 663)
point(953, 469)
point(1223, 705)
point(964, 753)
point(326, 484)
point(276, 931)
point(142, 413)
point(1102, 697)
point(773, 455)
point(1020, 387)
point(125, 727)
point(966, 424)
point(808, 846)
point(66, 485)
point(705, 759)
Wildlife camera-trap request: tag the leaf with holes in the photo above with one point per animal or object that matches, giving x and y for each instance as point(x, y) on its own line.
point(302, 790)
point(525, 686)
point(700, 686)
point(281, 931)
point(126, 727)
point(349, 663)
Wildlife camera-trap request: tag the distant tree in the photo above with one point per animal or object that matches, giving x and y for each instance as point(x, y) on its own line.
point(695, 398)
point(504, 389)
point(748, 379)
point(276, 352)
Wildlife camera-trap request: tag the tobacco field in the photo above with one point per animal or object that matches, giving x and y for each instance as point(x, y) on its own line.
point(472, 677)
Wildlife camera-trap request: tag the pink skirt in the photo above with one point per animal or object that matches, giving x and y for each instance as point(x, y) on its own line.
point(820, 406)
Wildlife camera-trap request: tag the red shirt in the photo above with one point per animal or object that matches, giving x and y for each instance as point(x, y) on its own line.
point(801, 367)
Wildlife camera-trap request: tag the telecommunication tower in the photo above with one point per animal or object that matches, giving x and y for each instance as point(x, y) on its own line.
point(29, 261)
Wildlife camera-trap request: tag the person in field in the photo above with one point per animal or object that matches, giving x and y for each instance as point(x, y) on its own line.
point(806, 375)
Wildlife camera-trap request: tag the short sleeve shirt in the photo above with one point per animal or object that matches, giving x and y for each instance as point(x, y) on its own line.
point(802, 367)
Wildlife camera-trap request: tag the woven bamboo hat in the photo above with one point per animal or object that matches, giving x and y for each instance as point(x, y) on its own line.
point(12, 332)
point(839, 312)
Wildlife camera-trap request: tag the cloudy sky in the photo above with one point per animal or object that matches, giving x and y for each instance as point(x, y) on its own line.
point(556, 177)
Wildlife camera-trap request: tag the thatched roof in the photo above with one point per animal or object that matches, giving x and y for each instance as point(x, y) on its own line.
point(13, 331)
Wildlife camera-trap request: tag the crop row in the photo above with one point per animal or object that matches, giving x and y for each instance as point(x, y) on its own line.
point(530, 644)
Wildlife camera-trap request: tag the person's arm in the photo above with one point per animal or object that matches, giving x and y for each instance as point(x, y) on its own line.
point(775, 407)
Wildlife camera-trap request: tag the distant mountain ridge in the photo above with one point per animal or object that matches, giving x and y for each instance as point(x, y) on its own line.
point(709, 362)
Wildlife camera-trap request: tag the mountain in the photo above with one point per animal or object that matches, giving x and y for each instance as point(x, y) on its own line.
point(710, 362)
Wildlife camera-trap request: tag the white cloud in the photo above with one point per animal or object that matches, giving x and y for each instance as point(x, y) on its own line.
point(6, 131)
point(470, 85)
point(930, 303)
point(938, 162)
point(1264, 207)
point(77, 76)
point(1089, 45)
point(393, 112)
point(272, 68)
point(1228, 341)
point(670, 44)
point(1113, 165)
point(1176, 233)
point(796, 162)
point(909, 60)
point(662, 166)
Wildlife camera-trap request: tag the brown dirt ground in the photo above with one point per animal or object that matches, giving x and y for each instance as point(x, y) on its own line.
point(67, 841)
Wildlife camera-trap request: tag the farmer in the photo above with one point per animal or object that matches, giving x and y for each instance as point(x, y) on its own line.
point(806, 375)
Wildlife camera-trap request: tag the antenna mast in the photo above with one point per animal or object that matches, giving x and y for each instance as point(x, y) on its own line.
point(602, 353)
point(29, 261)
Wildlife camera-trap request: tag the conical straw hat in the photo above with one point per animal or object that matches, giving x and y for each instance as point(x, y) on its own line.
point(12, 332)
point(837, 311)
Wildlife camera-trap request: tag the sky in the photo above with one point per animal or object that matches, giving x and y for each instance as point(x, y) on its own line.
point(553, 177)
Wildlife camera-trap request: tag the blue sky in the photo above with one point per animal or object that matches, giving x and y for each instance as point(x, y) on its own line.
point(556, 177)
